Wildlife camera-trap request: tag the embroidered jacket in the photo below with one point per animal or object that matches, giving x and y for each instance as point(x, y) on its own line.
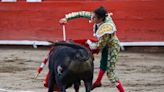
point(106, 32)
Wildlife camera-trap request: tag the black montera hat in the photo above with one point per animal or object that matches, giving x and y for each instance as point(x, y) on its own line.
point(100, 12)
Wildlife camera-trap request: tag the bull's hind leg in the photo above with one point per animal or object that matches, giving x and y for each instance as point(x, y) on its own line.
point(51, 83)
point(60, 84)
point(88, 85)
point(63, 89)
point(76, 86)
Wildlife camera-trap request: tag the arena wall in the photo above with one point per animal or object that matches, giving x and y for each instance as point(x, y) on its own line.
point(136, 20)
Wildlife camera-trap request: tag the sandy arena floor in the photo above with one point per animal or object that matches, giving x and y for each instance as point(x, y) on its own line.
point(139, 72)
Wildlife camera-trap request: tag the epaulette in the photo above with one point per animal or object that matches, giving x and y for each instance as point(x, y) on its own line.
point(105, 28)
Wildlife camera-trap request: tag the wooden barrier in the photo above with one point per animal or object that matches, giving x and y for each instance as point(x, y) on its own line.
point(136, 20)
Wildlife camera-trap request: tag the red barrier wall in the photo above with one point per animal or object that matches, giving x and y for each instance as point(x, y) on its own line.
point(136, 20)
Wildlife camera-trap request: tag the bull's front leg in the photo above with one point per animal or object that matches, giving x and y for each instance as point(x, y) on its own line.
point(76, 86)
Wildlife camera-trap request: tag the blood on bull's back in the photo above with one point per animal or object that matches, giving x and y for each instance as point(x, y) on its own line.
point(68, 64)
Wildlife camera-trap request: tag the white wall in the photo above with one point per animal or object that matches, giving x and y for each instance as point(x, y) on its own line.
point(26, 0)
point(8, 0)
point(33, 0)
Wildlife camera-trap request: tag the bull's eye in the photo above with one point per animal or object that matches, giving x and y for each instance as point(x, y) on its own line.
point(59, 70)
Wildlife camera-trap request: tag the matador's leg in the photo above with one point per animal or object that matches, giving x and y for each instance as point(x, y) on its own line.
point(112, 59)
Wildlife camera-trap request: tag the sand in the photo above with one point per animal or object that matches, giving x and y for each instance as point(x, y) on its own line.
point(138, 71)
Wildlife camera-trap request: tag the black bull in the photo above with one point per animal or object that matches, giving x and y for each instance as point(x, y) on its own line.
point(70, 63)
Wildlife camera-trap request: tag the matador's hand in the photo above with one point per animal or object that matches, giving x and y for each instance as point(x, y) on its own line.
point(63, 21)
point(91, 44)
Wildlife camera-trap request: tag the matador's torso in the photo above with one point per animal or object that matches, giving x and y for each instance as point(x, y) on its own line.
point(105, 33)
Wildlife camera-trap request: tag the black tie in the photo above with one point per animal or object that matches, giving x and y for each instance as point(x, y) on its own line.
point(96, 27)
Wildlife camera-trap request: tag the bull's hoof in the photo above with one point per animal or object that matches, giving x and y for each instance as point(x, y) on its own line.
point(56, 88)
point(95, 85)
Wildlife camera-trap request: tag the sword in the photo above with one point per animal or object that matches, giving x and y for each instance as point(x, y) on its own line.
point(64, 33)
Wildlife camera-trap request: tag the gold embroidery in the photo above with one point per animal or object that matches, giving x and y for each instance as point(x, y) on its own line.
point(104, 28)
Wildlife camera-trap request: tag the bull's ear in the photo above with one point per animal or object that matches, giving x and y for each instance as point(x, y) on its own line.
point(81, 55)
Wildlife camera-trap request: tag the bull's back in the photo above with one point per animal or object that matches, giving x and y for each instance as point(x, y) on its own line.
point(71, 52)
